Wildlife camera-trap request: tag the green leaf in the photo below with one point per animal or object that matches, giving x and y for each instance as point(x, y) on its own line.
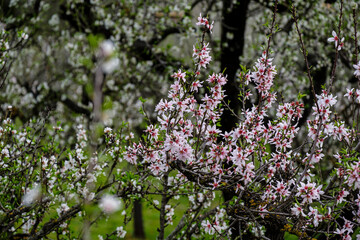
point(88, 63)
point(289, 236)
point(243, 68)
point(301, 95)
point(94, 41)
point(142, 100)
point(108, 104)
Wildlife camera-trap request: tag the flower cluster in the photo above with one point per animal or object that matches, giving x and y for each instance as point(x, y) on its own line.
point(205, 22)
point(323, 126)
point(217, 225)
point(309, 192)
point(263, 74)
point(346, 230)
point(202, 55)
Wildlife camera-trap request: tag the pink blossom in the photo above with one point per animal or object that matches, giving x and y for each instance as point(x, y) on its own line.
point(152, 132)
point(297, 210)
point(349, 93)
point(164, 106)
point(354, 175)
point(335, 39)
point(202, 56)
point(263, 210)
point(316, 216)
point(201, 20)
point(215, 184)
point(357, 69)
point(326, 100)
point(195, 86)
point(357, 94)
point(179, 75)
point(205, 22)
point(308, 192)
point(157, 168)
point(208, 227)
point(281, 189)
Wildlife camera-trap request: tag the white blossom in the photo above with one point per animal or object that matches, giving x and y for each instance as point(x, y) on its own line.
point(109, 204)
point(31, 196)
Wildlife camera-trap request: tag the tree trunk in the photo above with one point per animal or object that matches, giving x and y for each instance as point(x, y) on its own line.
point(233, 24)
point(234, 16)
point(138, 220)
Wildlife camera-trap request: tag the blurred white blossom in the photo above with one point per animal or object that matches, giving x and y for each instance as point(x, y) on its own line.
point(106, 48)
point(54, 20)
point(109, 204)
point(31, 196)
point(110, 65)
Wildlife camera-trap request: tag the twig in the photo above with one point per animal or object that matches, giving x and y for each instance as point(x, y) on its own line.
point(271, 31)
point(356, 39)
point(303, 50)
point(333, 71)
point(355, 35)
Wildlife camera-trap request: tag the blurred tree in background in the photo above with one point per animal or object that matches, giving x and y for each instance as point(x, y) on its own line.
point(54, 67)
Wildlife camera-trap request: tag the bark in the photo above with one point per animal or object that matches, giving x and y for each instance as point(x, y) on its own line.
point(233, 23)
point(138, 220)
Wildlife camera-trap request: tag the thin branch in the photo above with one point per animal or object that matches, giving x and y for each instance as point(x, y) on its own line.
point(333, 71)
point(53, 223)
point(356, 39)
point(271, 30)
point(304, 52)
point(355, 34)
